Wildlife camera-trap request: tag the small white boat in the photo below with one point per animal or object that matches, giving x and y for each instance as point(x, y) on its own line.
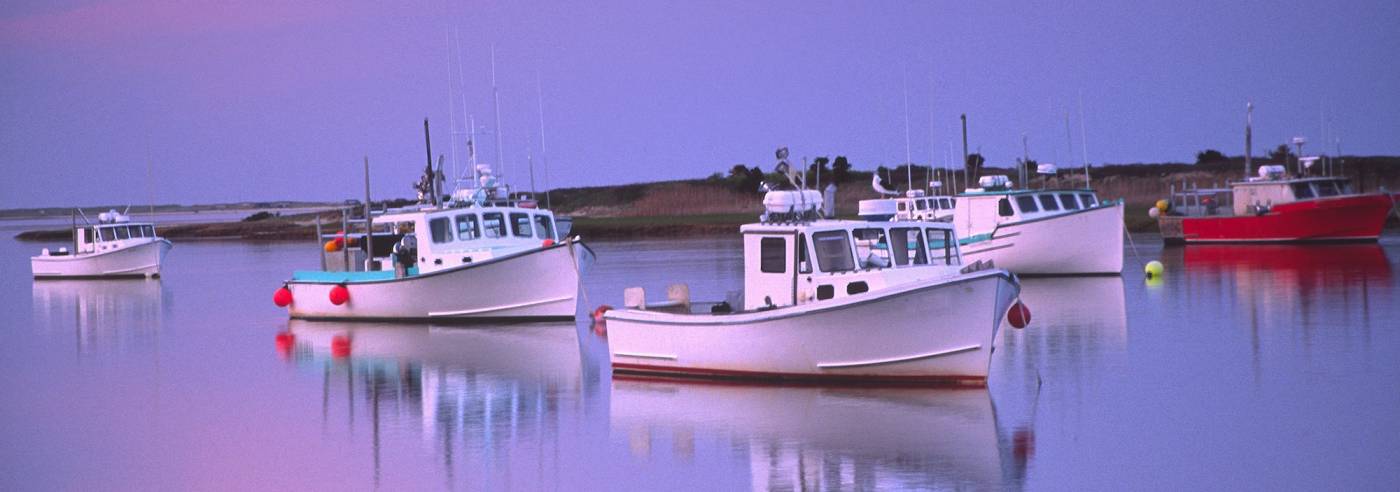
point(827, 300)
point(481, 254)
point(1030, 232)
point(115, 247)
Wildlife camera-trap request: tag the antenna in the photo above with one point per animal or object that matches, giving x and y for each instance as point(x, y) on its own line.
point(150, 186)
point(1083, 140)
point(451, 110)
point(967, 177)
point(1025, 158)
point(908, 159)
point(369, 219)
point(1248, 137)
point(932, 146)
point(496, 101)
point(462, 79)
point(544, 161)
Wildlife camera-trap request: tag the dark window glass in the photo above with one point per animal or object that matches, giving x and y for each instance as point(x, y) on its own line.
point(1327, 188)
point(940, 245)
point(135, 231)
point(1088, 200)
point(804, 264)
point(520, 225)
point(872, 249)
point(900, 206)
point(493, 224)
point(1004, 208)
point(948, 204)
point(1069, 201)
point(468, 227)
point(122, 233)
point(921, 204)
point(772, 255)
point(825, 292)
point(907, 240)
point(544, 227)
point(87, 235)
point(1047, 202)
point(1027, 204)
point(150, 230)
point(107, 234)
point(441, 229)
point(854, 288)
point(833, 251)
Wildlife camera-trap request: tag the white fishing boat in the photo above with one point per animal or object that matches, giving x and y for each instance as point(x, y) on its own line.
point(1028, 231)
point(827, 300)
point(483, 253)
point(115, 247)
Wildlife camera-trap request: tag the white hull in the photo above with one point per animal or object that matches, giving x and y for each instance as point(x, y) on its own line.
point(1084, 242)
point(921, 333)
point(536, 284)
point(138, 260)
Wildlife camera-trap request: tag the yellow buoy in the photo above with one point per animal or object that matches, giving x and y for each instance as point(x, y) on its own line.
point(1154, 269)
point(1163, 205)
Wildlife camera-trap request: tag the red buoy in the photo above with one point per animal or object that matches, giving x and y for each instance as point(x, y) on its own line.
point(1019, 316)
point(339, 294)
point(598, 313)
point(340, 346)
point(282, 297)
point(547, 243)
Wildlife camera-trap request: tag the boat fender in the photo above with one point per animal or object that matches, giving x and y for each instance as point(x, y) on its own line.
point(547, 243)
point(1019, 316)
point(339, 294)
point(598, 313)
point(282, 297)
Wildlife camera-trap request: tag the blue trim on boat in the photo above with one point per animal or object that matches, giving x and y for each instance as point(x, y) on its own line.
point(317, 276)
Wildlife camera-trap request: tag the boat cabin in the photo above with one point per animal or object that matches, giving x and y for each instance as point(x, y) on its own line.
point(982, 210)
point(788, 264)
point(435, 239)
point(1256, 195)
point(932, 208)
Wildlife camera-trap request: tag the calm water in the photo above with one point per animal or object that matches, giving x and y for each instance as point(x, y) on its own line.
point(1246, 368)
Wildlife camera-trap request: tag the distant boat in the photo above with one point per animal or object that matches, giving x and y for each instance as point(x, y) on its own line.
point(1027, 231)
point(115, 247)
point(826, 300)
point(1275, 208)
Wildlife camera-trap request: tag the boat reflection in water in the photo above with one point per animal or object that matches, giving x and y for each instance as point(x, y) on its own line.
point(103, 314)
point(1077, 325)
point(476, 392)
point(815, 438)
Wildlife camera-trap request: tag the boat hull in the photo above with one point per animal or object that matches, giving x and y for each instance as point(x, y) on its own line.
point(926, 333)
point(539, 284)
point(1351, 218)
point(135, 261)
point(1086, 242)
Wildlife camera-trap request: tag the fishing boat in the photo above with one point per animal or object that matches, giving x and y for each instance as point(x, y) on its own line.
point(1274, 207)
point(481, 253)
point(826, 300)
point(1028, 231)
point(114, 247)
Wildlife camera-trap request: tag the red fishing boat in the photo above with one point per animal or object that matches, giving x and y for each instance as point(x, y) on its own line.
point(1274, 208)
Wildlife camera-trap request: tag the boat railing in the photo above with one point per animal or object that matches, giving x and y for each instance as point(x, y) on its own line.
point(1191, 199)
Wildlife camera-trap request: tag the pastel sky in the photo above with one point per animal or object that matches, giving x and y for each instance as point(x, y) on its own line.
point(268, 100)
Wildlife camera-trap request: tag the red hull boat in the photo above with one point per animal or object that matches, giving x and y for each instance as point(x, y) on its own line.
point(1350, 218)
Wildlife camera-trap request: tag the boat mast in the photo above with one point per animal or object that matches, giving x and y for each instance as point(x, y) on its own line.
point(1248, 137)
point(496, 102)
point(432, 178)
point(544, 159)
point(967, 176)
point(451, 112)
point(908, 158)
point(1025, 158)
point(369, 221)
point(1083, 140)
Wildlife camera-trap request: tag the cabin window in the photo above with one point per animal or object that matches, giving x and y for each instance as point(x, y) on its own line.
point(825, 292)
point(150, 230)
point(804, 264)
point(544, 227)
point(520, 225)
point(940, 243)
point(948, 204)
point(134, 231)
point(468, 227)
point(1027, 204)
point(107, 234)
point(854, 288)
point(921, 204)
point(494, 225)
point(1302, 190)
point(122, 233)
point(1327, 188)
point(908, 240)
point(772, 255)
point(1069, 201)
point(87, 235)
point(872, 248)
point(1088, 199)
point(1047, 202)
point(1004, 208)
point(833, 251)
point(900, 206)
point(441, 229)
